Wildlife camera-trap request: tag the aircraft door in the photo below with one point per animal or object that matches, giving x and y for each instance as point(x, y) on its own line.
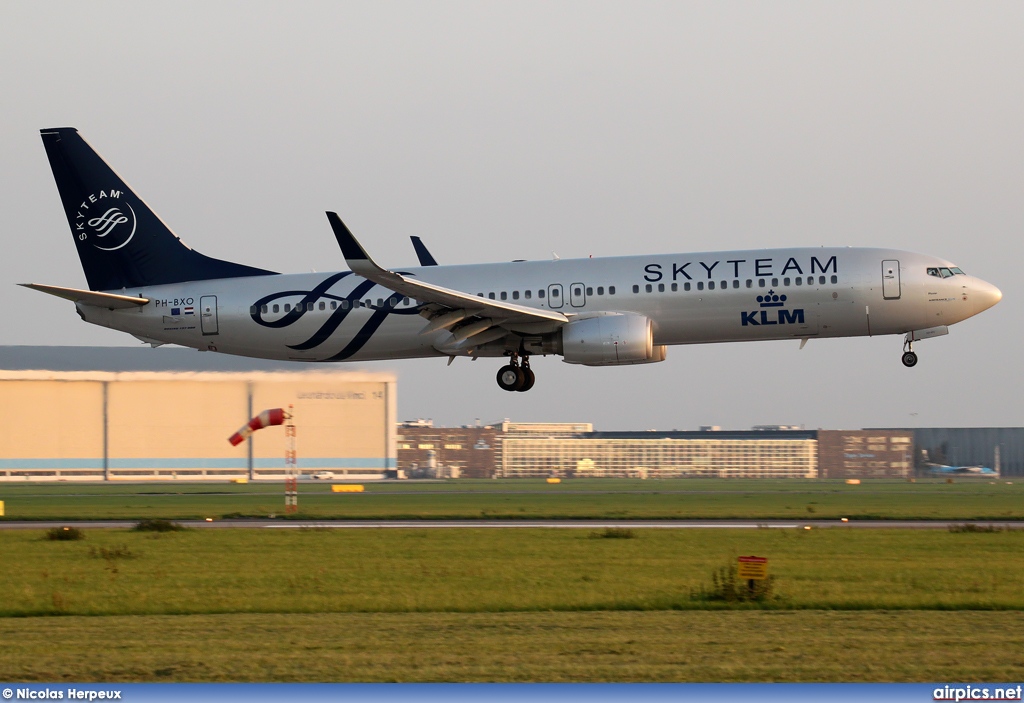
point(891, 279)
point(208, 314)
point(555, 296)
point(577, 295)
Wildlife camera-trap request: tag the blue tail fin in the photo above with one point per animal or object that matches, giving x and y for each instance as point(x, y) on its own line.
point(121, 242)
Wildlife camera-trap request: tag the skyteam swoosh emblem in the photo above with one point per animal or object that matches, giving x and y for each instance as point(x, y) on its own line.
point(109, 222)
point(337, 316)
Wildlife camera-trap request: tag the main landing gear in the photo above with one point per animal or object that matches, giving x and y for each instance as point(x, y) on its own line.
point(516, 376)
point(909, 357)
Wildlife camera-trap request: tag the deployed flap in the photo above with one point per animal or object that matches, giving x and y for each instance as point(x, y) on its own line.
point(361, 263)
point(89, 297)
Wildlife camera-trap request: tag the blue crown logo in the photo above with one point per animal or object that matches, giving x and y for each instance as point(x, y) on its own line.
point(770, 300)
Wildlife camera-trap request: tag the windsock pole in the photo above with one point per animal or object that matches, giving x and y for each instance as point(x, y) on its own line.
point(291, 467)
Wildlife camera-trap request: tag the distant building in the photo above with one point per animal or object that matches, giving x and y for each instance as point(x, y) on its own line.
point(997, 448)
point(865, 453)
point(425, 451)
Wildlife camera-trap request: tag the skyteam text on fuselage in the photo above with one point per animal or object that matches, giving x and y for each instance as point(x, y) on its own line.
point(598, 312)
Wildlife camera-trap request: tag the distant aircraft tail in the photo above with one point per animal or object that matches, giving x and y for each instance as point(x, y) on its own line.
point(121, 242)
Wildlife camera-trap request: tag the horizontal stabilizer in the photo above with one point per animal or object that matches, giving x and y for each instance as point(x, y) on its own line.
point(90, 297)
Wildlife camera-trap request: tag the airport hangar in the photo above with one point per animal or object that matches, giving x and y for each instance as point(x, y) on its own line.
point(141, 425)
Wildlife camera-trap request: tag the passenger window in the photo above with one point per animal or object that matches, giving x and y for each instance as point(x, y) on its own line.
point(515, 295)
point(590, 291)
point(711, 285)
point(700, 285)
point(287, 307)
point(725, 284)
point(675, 287)
point(785, 281)
point(835, 279)
point(577, 291)
point(760, 283)
point(264, 309)
point(380, 302)
point(309, 307)
point(334, 305)
point(504, 295)
point(252, 309)
point(750, 283)
point(555, 293)
point(736, 283)
point(323, 305)
point(821, 280)
point(277, 308)
point(491, 296)
point(527, 294)
point(799, 281)
point(775, 283)
point(611, 290)
point(540, 293)
point(686, 286)
point(636, 289)
point(648, 288)
point(661, 287)
point(600, 290)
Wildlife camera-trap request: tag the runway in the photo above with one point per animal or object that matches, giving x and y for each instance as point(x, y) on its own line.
point(284, 524)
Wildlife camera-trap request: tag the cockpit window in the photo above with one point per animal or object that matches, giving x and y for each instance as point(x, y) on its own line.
point(933, 272)
point(942, 272)
point(957, 271)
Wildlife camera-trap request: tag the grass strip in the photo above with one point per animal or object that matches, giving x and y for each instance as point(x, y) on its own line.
point(581, 647)
point(122, 572)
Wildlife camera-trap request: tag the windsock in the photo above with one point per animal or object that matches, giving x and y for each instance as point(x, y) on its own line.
point(267, 418)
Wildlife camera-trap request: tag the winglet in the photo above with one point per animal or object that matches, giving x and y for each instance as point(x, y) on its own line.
point(425, 257)
point(350, 248)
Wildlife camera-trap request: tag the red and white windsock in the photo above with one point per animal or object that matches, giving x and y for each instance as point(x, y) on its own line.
point(267, 418)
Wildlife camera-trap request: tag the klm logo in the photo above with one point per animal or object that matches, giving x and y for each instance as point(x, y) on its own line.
point(772, 312)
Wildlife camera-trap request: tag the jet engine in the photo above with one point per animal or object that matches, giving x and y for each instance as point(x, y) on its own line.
point(610, 340)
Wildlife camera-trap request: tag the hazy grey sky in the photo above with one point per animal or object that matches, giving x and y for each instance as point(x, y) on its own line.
point(498, 131)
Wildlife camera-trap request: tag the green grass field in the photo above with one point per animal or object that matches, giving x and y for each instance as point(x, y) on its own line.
point(508, 605)
point(526, 499)
point(512, 605)
point(569, 646)
point(119, 572)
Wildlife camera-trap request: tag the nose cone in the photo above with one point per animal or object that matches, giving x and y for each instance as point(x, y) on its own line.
point(985, 295)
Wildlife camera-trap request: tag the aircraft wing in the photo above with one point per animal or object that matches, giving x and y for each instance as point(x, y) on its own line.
point(89, 297)
point(497, 311)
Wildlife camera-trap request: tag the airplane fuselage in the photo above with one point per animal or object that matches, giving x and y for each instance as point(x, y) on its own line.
point(690, 298)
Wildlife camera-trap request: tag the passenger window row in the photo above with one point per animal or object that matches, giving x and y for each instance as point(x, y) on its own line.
point(334, 305)
point(723, 285)
point(541, 293)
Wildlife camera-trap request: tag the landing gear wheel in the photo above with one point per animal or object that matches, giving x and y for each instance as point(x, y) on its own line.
point(511, 378)
point(528, 379)
point(909, 359)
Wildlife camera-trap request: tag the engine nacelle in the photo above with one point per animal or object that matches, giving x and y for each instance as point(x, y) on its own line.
point(610, 340)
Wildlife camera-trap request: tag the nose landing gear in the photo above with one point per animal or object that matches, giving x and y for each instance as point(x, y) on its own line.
point(516, 377)
point(909, 356)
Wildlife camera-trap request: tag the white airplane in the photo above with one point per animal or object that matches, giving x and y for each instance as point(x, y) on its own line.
point(598, 312)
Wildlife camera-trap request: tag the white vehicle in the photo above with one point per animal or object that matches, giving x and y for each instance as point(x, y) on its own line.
point(324, 475)
point(598, 312)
